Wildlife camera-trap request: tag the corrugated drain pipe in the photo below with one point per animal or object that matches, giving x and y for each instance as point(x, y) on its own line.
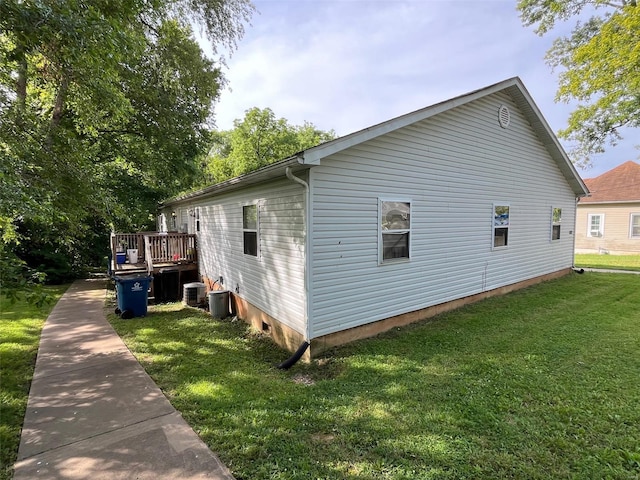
point(292, 360)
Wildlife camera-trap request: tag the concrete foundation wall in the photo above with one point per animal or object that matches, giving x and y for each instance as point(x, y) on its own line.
point(291, 340)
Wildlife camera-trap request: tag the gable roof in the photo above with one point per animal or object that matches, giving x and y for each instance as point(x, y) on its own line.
point(620, 184)
point(314, 155)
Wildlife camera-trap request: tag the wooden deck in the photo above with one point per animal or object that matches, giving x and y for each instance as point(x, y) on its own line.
point(155, 253)
point(154, 250)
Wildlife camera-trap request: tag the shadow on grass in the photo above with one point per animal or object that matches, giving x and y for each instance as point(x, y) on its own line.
point(529, 385)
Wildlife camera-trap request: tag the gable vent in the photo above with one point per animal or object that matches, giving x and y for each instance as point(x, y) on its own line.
point(504, 116)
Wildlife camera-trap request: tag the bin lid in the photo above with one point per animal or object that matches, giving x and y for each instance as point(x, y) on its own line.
point(194, 285)
point(169, 270)
point(132, 278)
point(218, 292)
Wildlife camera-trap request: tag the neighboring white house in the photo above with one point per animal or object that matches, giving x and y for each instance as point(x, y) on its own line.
point(458, 201)
point(609, 218)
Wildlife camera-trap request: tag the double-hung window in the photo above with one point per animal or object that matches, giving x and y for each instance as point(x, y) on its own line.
point(395, 230)
point(634, 231)
point(595, 225)
point(250, 229)
point(556, 218)
point(197, 214)
point(162, 223)
point(501, 223)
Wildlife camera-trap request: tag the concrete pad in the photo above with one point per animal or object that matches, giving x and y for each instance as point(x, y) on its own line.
point(83, 403)
point(159, 449)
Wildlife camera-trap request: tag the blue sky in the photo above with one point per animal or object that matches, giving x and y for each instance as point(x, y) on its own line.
point(349, 64)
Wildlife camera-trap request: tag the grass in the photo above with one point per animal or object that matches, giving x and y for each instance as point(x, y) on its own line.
point(20, 327)
point(541, 383)
point(614, 262)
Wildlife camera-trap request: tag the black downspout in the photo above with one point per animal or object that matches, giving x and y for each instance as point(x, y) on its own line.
point(291, 361)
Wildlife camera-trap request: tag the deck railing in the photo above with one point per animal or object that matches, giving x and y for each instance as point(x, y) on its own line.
point(155, 248)
point(121, 242)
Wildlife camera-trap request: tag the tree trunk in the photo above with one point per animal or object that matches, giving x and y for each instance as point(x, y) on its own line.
point(21, 82)
point(58, 108)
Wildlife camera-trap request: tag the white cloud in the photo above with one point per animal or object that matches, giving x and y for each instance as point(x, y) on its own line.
point(346, 65)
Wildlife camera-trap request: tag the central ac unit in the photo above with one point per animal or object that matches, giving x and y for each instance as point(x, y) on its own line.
point(194, 294)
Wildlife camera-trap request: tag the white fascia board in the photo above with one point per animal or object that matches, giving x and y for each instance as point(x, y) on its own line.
point(526, 103)
point(607, 202)
point(263, 174)
point(513, 86)
point(314, 155)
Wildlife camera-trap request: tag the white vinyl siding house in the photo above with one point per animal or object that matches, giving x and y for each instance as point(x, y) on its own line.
point(273, 280)
point(455, 168)
point(445, 203)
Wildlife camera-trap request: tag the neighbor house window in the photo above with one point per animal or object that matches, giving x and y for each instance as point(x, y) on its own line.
point(250, 229)
point(595, 225)
point(635, 225)
point(556, 218)
point(500, 225)
point(395, 230)
point(162, 223)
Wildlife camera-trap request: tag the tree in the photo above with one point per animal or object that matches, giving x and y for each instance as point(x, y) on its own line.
point(105, 108)
point(258, 140)
point(601, 68)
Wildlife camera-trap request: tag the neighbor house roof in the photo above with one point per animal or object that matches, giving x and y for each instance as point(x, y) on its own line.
point(620, 184)
point(313, 156)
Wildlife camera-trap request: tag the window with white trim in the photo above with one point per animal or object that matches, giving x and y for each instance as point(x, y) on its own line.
point(162, 223)
point(501, 223)
point(250, 229)
point(395, 230)
point(595, 225)
point(197, 215)
point(634, 230)
point(556, 219)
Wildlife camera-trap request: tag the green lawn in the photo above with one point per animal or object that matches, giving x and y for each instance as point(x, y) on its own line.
point(538, 384)
point(616, 262)
point(20, 327)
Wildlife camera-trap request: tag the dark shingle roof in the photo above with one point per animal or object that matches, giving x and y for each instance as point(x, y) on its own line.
point(620, 184)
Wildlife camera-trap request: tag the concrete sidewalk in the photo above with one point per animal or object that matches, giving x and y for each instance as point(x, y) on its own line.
point(94, 413)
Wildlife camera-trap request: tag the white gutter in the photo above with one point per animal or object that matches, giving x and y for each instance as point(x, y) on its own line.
point(307, 248)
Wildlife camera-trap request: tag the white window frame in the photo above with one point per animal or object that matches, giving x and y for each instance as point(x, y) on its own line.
point(381, 231)
point(555, 223)
point(162, 223)
point(198, 225)
point(250, 230)
point(590, 216)
point(631, 217)
point(494, 226)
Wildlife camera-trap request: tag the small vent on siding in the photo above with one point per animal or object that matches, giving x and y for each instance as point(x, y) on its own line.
point(504, 116)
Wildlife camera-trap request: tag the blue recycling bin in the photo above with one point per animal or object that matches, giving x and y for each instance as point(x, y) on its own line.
point(133, 295)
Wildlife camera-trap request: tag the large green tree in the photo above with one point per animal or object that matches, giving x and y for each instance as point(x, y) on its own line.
point(600, 64)
point(105, 107)
point(257, 140)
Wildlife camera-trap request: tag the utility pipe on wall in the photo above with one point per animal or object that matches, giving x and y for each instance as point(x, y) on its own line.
point(307, 214)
